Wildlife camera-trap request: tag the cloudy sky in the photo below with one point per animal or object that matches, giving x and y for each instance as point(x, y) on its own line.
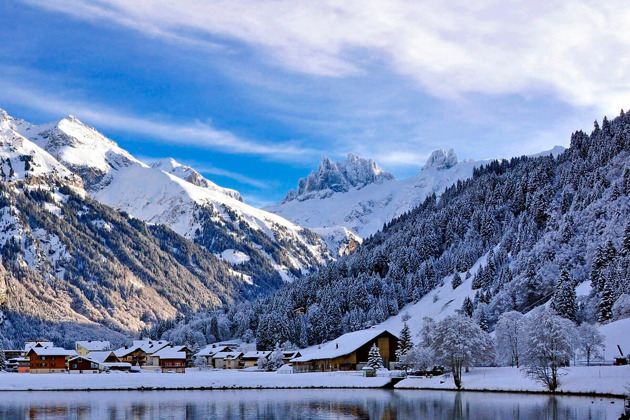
point(254, 93)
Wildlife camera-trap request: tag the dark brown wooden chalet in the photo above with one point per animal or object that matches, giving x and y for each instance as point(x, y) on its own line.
point(348, 352)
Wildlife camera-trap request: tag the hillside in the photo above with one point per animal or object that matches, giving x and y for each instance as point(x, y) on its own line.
point(171, 194)
point(528, 217)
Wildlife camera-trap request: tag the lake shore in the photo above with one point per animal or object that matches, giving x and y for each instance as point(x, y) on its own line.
point(608, 381)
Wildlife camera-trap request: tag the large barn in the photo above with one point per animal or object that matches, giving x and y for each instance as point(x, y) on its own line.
point(348, 352)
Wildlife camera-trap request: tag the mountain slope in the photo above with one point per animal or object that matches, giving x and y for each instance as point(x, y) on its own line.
point(177, 196)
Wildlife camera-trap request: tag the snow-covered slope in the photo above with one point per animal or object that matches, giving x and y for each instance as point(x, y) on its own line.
point(357, 213)
point(177, 196)
point(347, 214)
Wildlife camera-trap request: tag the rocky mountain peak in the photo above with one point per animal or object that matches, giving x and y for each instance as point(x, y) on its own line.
point(440, 160)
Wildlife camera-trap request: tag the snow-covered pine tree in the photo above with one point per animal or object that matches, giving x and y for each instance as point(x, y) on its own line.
point(3, 361)
point(606, 302)
point(625, 246)
point(375, 361)
point(467, 307)
point(564, 300)
point(405, 345)
point(457, 280)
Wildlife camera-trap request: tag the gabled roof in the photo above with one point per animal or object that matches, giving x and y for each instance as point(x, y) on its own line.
point(84, 358)
point(292, 354)
point(51, 351)
point(147, 346)
point(211, 350)
point(94, 345)
point(228, 355)
point(342, 346)
point(101, 356)
point(29, 345)
point(170, 352)
point(256, 354)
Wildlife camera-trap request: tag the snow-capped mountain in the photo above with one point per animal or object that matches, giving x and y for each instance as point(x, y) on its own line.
point(177, 196)
point(370, 198)
point(374, 197)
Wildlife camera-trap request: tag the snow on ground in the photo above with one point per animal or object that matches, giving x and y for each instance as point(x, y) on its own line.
point(579, 379)
point(616, 333)
point(214, 379)
point(233, 257)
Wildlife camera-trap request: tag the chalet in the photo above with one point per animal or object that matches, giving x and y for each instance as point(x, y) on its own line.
point(107, 361)
point(139, 353)
point(250, 359)
point(83, 364)
point(48, 359)
point(85, 347)
point(18, 364)
point(175, 358)
point(211, 349)
point(228, 360)
point(348, 352)
point(35, 343)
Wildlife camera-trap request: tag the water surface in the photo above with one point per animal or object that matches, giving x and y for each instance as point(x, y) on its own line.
point(302, 404)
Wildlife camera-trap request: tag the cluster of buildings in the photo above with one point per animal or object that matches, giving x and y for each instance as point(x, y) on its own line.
point(348, 352)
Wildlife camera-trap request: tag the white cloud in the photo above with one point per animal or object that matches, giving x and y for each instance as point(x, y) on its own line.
point(196, 133)
point(578, 50)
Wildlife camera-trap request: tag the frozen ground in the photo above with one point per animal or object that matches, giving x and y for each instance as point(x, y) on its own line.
point(579, 379)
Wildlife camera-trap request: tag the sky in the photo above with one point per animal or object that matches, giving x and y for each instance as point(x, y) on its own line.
point(253, 93)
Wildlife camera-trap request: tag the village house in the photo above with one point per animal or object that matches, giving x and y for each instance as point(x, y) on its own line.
point(250, 359)
point(48, 359)
point(107, 361)
point(172, 358)
point(348, 352)
point(228, 360)
point(289, 355)
point(33, 343)
point(139, 353)
point(19, 365)
point(211, 349)
point(82, 364)
point(84, 347)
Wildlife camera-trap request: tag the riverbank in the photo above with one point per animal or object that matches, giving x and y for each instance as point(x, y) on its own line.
point(604, 381)
point(579, 380)
point(192, 379)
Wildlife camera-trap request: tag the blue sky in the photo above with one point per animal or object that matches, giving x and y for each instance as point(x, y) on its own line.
point(254, 93)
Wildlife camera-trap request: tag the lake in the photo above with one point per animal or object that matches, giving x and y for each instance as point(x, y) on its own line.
point(302, 404)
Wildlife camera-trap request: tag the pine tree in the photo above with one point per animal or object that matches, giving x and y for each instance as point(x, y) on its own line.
point(3, 361)
point(564, 300)
point(375, 361)
point(467, 307)
point(457, 280)
point(483, 321)
point(606, 301)
point(405, 345)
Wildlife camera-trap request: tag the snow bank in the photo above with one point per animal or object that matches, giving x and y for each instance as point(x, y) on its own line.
point(192, 379)
point(610, 380)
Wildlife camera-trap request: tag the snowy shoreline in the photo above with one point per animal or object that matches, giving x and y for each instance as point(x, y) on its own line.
point(604, 381)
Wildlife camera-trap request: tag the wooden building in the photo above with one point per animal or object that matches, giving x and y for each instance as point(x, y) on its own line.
point(228, 360)
point(83, 364)
point(175, 358)
point(48, 359)
point(250, 359)
point(211, 349)
point(348, 352)
point(139, 353)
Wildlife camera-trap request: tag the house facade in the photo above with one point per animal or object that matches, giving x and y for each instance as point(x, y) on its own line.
point(348, 353)
point(49, 360)
point(84, 347)
point(82, 364)
point(250, 359)
point(228, 360)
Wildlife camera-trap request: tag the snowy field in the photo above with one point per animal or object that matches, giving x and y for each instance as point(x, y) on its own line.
point(192, 379)
point(579, 379)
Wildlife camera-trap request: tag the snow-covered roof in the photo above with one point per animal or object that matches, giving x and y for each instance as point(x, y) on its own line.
point(177, 352)
point(228, 355)
point(93, 345)
point(150, 346)
point(84, 358)
point(256, 354)
point(291, 354)
point(147, 346)
point(31, 344)
point(52, 351)
point(343, 345)
point(211, 350)
point(100, 356)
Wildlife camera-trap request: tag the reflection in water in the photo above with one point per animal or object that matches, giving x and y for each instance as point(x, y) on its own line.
point(301, 404)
